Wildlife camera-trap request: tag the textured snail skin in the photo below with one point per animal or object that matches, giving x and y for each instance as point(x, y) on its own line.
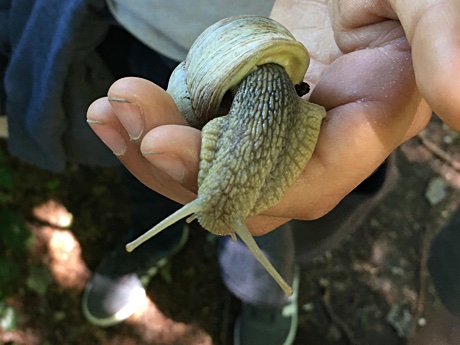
point(250, 156)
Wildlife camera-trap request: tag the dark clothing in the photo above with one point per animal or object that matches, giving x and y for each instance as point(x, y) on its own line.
point(52, 75)
point(56, 57)
point(444, 264)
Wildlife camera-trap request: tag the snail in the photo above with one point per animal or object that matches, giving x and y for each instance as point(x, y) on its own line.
point(237, 85)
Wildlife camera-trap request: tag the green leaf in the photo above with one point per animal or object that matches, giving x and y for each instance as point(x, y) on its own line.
point(2, 156)
point(39, 279)
point(15, 235)
point(5, 197)
point(53, 185)
point(9, 271)
point(6, 179)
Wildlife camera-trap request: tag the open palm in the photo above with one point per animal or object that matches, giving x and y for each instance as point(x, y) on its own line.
point(376, 65)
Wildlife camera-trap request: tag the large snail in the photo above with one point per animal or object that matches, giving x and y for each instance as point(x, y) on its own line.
point(237, 84)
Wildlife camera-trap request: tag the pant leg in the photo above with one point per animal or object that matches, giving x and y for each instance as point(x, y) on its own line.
point(147, 208)
point(127, 56)
point(298, 241)
point(246, 278)
point(444, 264)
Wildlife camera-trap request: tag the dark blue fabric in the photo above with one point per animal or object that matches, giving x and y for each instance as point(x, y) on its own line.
point(52, 75)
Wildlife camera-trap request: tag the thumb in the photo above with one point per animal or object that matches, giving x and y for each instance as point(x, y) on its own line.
point(433, 30)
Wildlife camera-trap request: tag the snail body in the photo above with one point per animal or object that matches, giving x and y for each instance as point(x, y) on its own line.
point(244, 68)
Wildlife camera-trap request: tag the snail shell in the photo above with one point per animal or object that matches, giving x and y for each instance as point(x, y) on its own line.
point(243, 70)
point(223, 55)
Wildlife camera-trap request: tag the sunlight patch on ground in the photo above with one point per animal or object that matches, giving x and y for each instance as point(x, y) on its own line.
point(53, 213)
point(156, 327)
point(64, 252)
point(64, 260)
point(382, 272)
point(66, 265)
point(20, 337)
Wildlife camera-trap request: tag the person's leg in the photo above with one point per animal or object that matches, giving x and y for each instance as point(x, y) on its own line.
point(246, 278)
point(267, 316)
point(313, 238)
point(443, 326)
point(147, 208)
point(444, 264)
point(263, 302)
point(117, 288)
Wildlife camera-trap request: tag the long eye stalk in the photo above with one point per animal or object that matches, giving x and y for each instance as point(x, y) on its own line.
point(187, 210)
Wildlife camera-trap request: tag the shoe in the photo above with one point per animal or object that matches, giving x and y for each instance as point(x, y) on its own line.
point(261, 325)
point(117, 287)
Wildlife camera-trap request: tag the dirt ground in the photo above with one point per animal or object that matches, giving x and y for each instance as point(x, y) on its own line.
point(372, 289)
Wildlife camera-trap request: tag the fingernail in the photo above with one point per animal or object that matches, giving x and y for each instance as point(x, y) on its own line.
point(168, 163)
point(93, 122)
point(110, 137)
point(130, 116)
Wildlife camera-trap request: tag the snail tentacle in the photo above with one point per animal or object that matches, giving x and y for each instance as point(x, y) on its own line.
point(191, 208)
point(237, 85)
point(243, 233)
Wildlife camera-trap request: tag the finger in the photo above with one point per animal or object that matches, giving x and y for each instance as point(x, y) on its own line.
point(310, 23)
point(103, 121)
point(373, 106)
point(135, 103)
point(175, 150)
point(142, 105)
point(433, 30)
point(262, 224)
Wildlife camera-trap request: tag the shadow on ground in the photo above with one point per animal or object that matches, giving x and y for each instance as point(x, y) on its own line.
point(372, 289)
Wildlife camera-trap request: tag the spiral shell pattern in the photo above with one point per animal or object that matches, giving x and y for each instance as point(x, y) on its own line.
point(223, 55)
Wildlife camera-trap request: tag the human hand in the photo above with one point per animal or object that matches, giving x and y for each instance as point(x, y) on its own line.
point(372, 87)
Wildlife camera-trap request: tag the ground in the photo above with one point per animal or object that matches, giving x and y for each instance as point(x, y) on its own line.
point(372, 289)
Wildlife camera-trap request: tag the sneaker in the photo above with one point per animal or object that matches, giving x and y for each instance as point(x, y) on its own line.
point(262, 325)
point(117, 288)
